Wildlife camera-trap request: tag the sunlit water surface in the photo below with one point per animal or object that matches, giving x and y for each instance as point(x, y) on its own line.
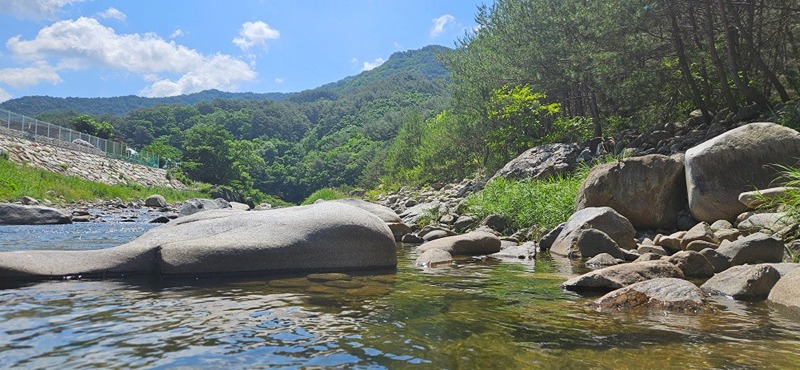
point(488, 314)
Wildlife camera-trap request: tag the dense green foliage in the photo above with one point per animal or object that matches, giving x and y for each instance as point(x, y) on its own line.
point(541, 204)
point(17, 181)
point(324, 194)
point(86, 124)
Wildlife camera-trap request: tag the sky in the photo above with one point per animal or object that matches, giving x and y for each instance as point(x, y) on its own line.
point(154, 48)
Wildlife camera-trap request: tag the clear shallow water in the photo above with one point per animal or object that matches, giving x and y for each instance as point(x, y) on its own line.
point(482, 315)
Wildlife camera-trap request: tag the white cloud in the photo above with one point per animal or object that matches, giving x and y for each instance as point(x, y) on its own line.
point(371, 65)
point(4, 95)
point(440, 23)
point(177, 33)
point(25, 77)
point(279, 80)
point(354, 60)
point(85, 42)
point(113, 13)
point(397, 45)
point(34, 9)
point(255, 34)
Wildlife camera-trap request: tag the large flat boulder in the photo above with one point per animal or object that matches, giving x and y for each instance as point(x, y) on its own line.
point(195, 205)
point(756, 248)
point(745, 282)
point(661, 293)
point(15, 214)
point(740, 160)
point(327, 236)
point(615, 277)
point(541, 162)
point(649, 191)
point(605, 219)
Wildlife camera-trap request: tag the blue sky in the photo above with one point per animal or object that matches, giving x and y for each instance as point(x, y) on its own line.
point(100, 48)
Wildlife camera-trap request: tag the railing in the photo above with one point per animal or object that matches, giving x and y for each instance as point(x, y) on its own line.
point(13, 124)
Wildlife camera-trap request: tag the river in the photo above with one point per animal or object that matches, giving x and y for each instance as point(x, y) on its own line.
point(485, 314)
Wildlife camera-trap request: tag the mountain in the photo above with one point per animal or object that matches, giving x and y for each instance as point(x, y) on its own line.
point(413, 64)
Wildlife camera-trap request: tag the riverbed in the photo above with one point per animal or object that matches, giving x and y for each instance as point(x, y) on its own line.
point(478, 314)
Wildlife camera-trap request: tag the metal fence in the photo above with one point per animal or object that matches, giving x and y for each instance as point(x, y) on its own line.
point(14, 124)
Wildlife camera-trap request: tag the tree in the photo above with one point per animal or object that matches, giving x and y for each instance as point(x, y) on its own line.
point(163, 150)
point(86, 124)
point(207, 154)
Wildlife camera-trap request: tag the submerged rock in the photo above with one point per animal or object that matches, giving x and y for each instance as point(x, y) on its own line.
point(619, 276)
point(662, 293)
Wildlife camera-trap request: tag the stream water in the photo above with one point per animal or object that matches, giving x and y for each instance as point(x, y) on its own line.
point(487, 314)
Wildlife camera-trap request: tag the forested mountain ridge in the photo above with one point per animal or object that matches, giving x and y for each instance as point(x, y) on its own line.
point(121, 105)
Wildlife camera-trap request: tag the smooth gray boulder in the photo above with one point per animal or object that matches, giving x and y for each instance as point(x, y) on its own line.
point(526, 251)
point(661, 293)
point(737, 161)
point(745, 282)
point(327, 236)
point(720, 262)
point(604, 219)
point(649, 191)
point(155, 201)
point(592, 242)
point(541, 162)
point(603, 259)
point(193, 206)
point(433, 257)
point(384, 213)
point(15, 214)
point(755, 248)
point(615, 277)
point(754, 199)
point(475, 243)
point(787, 290)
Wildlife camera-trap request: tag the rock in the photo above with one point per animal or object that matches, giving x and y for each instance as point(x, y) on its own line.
point(327, 236)
point(692, 264)
point(541, 162)
point(604, 219)
point(718, 261)
point(747, 282)
point(330, 276)
point(615, 277)
point(765, 221)
point(701, 231)
point(239, 206)
point(661, 293)
point(463, 223)
point(525, 251)
point(475, 243)
point(591, 242)
point(546, 242)
point(784, 267)
point(650, 191)
point(654, 249)
point(671, 243)
point(384, 213)
point(754, 199)
point(432, 257)
point(193, 206)
point(15, 214)
point(727, 234)
point(603, 259)
point(411, 239)
point(755, 248)
point(29, 201)
point(648, 257)
point(159, 220)
point(787, 290)
point(155, 201)
point(740, 160)
point(721, 225)
point(437, 234)
point(495, 222)
point(399, 229)
point(699, 245)
point(412, 215)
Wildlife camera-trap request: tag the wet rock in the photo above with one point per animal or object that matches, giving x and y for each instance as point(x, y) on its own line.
point(591, 242)
point(619, 276)
point(156, 201)
point(670, 294)
point(330, 276)
point(525, 251)
point(411, 239)
point(746, 282)
point(603, 259)
point(548, 239)
point(432, 257)
point(475, 243)
point(399, 229)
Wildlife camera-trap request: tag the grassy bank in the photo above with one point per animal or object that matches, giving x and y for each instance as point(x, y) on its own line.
point(17, 181)
point(526, 203)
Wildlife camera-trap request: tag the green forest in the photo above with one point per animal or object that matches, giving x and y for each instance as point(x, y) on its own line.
point(533, 72)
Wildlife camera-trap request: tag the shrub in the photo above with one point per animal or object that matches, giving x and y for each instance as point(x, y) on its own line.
point(325, 194)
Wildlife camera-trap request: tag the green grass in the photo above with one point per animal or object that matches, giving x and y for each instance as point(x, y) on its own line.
point(17, 181)
point(325, 194)
point(527, 203)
